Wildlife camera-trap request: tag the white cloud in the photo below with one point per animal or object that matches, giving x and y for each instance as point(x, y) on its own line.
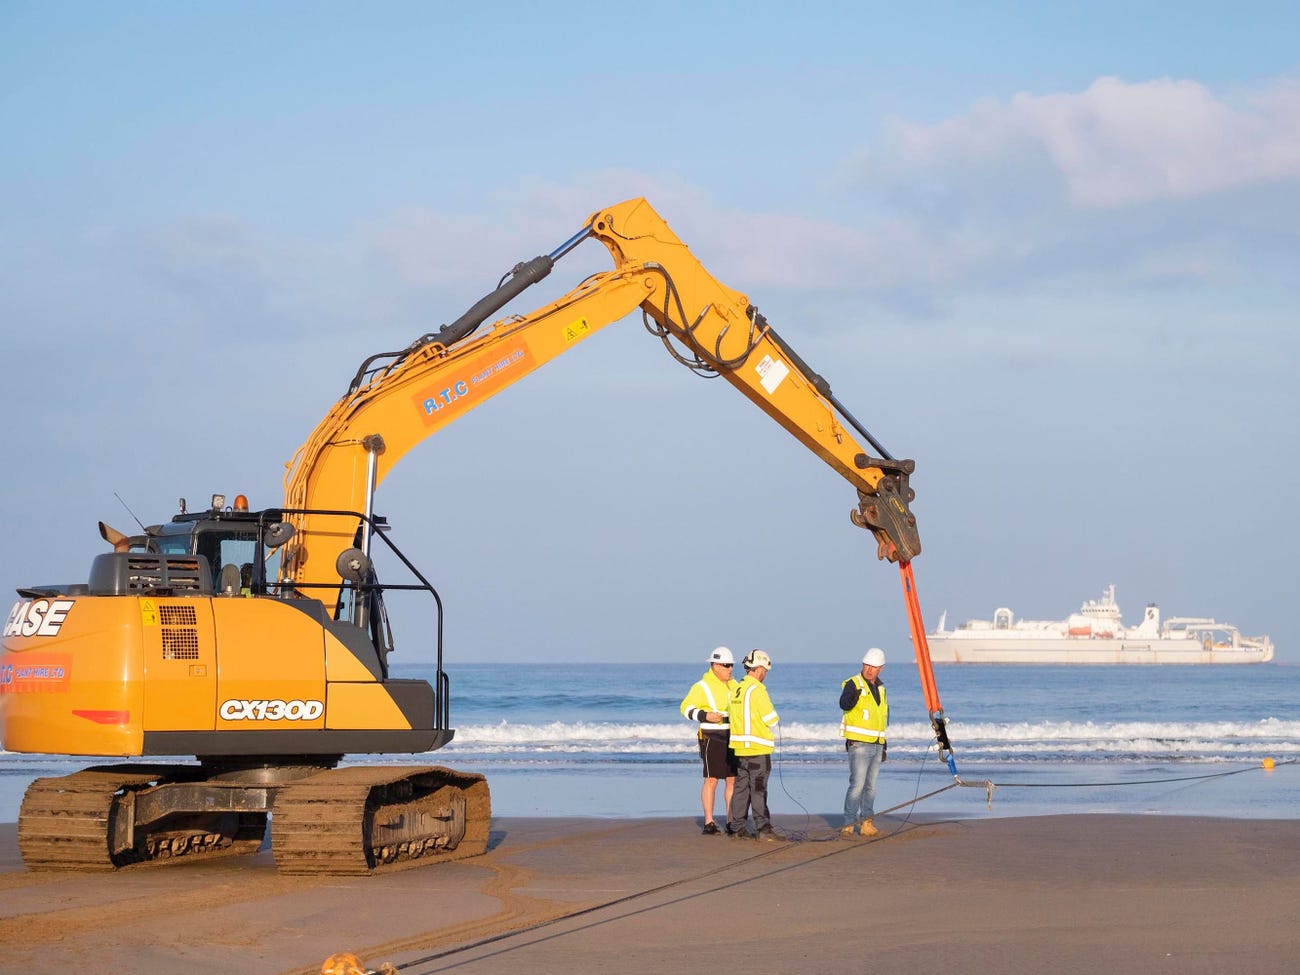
point(1144, 184)
point(1123, 186)
point(429, 249)
point(1121, 143)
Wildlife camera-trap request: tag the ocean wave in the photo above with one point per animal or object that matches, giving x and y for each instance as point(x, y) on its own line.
point(587, 743)
point(617, 734)
point(584, 744)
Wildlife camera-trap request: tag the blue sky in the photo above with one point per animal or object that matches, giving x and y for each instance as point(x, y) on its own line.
point(1048, 251)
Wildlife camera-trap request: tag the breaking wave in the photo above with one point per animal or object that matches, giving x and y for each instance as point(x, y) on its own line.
point(982, 741)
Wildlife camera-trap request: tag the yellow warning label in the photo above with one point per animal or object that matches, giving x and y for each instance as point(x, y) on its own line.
point(148, 612)
point(577, 330)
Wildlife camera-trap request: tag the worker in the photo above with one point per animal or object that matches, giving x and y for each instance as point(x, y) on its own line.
point(753, 738)
point(706, 703)
point(866, 715)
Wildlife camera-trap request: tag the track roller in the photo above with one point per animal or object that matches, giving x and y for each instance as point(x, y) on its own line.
point(371, 819)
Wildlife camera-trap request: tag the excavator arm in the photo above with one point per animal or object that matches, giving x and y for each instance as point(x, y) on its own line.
point(398, 399)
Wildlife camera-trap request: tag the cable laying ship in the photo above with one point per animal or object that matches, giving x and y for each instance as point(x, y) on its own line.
point(1096, 635)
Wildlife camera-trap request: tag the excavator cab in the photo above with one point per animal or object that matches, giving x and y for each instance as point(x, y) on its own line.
point(239, 550)
point(230, 541)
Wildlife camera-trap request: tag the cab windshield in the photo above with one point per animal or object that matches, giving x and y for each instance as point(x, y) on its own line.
point(220, 546)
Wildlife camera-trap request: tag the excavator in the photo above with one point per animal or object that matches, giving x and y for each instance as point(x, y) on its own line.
point(257, 641)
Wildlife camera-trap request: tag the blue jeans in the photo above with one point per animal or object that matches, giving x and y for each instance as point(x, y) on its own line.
point(864, 766)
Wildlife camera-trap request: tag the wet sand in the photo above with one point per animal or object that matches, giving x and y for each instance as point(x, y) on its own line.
point(1063, 894)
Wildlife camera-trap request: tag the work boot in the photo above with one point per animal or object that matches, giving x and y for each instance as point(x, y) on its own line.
point(848, 832)
point(738, 834)
point(710, 829)
point(768, 835)
point(869, 829)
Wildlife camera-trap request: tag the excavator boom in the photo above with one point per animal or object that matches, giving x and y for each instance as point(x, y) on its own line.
point(398, 400)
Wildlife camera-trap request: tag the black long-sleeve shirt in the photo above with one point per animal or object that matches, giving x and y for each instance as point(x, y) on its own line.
point(849, 696)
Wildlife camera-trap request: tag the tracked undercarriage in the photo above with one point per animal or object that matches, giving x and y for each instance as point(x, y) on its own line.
point(358, 820)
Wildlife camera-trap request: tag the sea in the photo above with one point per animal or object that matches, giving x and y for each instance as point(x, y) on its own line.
point(608, 740)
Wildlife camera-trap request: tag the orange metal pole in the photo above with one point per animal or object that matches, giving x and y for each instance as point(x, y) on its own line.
point(924, 666)
point(919, 642)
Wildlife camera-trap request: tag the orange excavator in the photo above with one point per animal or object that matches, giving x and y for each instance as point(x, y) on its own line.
point(257, 641)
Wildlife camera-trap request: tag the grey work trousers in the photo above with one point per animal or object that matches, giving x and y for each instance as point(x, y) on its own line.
point(750, 792)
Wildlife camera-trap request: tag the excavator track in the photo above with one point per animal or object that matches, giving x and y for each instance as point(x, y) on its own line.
point(77, 822)
point(379, 819)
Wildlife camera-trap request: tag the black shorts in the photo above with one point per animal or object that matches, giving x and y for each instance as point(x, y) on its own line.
point(719, 759)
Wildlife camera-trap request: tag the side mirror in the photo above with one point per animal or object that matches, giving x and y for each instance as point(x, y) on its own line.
point(273, 536)
point(353, 565)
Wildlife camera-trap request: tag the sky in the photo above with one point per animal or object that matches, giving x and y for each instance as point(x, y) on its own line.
point(1048, 251)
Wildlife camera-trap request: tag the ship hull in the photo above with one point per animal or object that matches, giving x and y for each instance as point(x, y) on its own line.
point(994, 650)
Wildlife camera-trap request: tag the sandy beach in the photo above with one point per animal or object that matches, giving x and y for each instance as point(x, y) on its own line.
point(1075, 893)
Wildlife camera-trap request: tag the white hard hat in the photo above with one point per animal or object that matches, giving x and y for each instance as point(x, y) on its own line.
point(721, 655)
point(757, 658)
point(875, 657)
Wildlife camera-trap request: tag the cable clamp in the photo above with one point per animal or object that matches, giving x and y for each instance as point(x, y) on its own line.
point(988, 785)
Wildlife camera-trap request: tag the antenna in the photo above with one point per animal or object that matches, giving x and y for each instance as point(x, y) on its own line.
point(129, 511)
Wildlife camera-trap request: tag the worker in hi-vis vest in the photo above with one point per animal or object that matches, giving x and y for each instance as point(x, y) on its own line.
point(706, 702)
point(866, 716)
point(753, 738)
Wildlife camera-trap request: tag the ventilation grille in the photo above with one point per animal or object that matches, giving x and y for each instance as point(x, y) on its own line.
point(180, 644)
point(147, 573)
point(177, 616)
point(180, 639)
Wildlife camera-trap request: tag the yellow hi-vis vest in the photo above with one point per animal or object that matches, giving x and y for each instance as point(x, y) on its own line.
point(868, 720)
point(753, 719)
point(709, 694)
